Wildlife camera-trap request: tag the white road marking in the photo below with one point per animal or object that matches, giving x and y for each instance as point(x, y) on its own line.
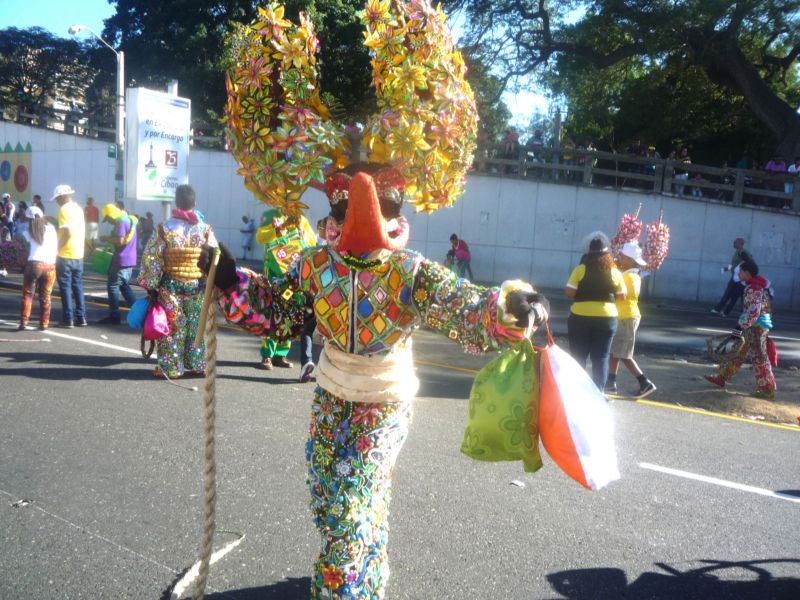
point(721, 482)
point(774, 337)
point(80, 339)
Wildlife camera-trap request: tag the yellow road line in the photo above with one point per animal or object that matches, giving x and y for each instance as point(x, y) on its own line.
point(700, 411)
point(433, 364)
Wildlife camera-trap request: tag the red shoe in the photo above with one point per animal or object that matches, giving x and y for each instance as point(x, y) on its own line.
point(715, 379)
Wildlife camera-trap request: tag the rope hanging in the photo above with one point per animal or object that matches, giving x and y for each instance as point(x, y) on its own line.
point(208, 326)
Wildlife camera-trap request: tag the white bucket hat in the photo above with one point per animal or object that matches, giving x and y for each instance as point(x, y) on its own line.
point(61, 190)
point(634, 252)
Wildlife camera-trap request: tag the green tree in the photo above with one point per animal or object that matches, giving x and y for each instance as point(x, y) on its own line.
point(37, 67)
point(185, 40)
point(696, 53)
point(180, 39)
point(493, 113)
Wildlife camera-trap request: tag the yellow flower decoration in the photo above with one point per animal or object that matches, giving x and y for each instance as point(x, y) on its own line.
point(274, 138)
point(291, 52)
point(425, 125)
point(419, 76)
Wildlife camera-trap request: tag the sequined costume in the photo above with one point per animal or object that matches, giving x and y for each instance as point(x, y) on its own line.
point(755, 321)
point(366, 292)
point(353, 445)
point(169, 265)
point(274, 237)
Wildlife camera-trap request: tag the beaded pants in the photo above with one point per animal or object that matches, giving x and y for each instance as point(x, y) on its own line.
point(755, 341)
point(176, 351)
point(351, 452)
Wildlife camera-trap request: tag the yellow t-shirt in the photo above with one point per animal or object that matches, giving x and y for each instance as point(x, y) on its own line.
point(71, 217)
point(629, 308)
point(595, 308)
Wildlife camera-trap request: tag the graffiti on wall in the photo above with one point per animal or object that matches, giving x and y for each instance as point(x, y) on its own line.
point(15, 171)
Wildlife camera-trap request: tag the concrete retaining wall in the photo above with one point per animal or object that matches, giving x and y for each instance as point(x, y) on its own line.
point(515, 228)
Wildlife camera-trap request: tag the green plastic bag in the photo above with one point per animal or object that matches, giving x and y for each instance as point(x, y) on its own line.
point(503, 421)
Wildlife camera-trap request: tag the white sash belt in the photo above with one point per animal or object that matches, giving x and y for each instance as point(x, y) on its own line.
point(385, 379)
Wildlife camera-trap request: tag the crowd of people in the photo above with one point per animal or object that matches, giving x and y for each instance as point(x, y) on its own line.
point(779, 172)
point(53, 249)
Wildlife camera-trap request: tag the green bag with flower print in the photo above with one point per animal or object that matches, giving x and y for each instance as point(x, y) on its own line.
point(503, 421)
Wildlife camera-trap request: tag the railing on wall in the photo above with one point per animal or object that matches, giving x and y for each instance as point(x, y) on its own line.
point(738, 187)
point(205, 135)
point(659, 176)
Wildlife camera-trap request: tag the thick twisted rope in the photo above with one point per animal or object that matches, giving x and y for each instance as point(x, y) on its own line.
point(210, 482)
point(208, 326)
point(199, 570)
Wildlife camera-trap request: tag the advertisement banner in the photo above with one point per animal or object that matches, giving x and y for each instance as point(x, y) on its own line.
point(157, 133)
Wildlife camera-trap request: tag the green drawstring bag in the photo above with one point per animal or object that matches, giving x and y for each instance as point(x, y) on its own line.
point(503, 421)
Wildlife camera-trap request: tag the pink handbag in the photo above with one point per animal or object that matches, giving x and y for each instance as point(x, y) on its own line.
point(155, 323)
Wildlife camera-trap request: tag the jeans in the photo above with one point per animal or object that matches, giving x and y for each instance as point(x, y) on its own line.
point(306, 343)
point(591, 337)
point(733, 293)
point(69, 273)
point(463, 266)
point(118, 278)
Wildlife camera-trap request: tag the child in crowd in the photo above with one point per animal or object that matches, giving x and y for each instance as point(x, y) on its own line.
point(629, 317)
point(754, 325)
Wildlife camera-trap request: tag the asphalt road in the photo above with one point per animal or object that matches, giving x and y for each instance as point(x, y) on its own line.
point(110, 459)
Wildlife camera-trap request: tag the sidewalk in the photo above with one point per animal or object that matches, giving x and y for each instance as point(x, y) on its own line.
point(671, 350)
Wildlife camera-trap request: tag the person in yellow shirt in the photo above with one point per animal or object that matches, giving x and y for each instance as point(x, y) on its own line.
point(595, 284)
point(69, 262)
point(628, 317)
point(283, 240)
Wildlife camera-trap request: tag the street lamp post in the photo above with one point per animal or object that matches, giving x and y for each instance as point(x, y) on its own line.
point(120, 167)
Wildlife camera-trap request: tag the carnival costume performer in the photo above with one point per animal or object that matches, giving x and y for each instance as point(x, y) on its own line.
point(283, 240)
point(753, 326)
point(367, 293)
point(170, 275)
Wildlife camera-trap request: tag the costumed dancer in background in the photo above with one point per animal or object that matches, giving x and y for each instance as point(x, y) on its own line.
point(170, 275)
point(367, 293)
point(753, 326)
point(283, 240)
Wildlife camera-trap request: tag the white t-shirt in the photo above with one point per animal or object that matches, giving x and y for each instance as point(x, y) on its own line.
point(46, 251)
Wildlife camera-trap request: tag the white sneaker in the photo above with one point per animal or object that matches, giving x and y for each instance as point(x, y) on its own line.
point(3, 273)
point(306, 371)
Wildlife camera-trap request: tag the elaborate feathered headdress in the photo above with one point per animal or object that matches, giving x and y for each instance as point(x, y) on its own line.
point(283, 136)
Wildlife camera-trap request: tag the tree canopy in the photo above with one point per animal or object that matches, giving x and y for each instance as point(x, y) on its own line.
point(36, 67)
point(696, 68)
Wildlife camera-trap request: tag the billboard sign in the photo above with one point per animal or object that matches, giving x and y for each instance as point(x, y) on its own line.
point(157, 132)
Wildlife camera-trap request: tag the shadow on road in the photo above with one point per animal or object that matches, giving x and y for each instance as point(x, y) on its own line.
point(42, 365)
point(298, 588)
point(705, 582)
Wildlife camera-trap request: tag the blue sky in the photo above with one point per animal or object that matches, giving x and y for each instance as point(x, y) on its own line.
point(55, 15)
